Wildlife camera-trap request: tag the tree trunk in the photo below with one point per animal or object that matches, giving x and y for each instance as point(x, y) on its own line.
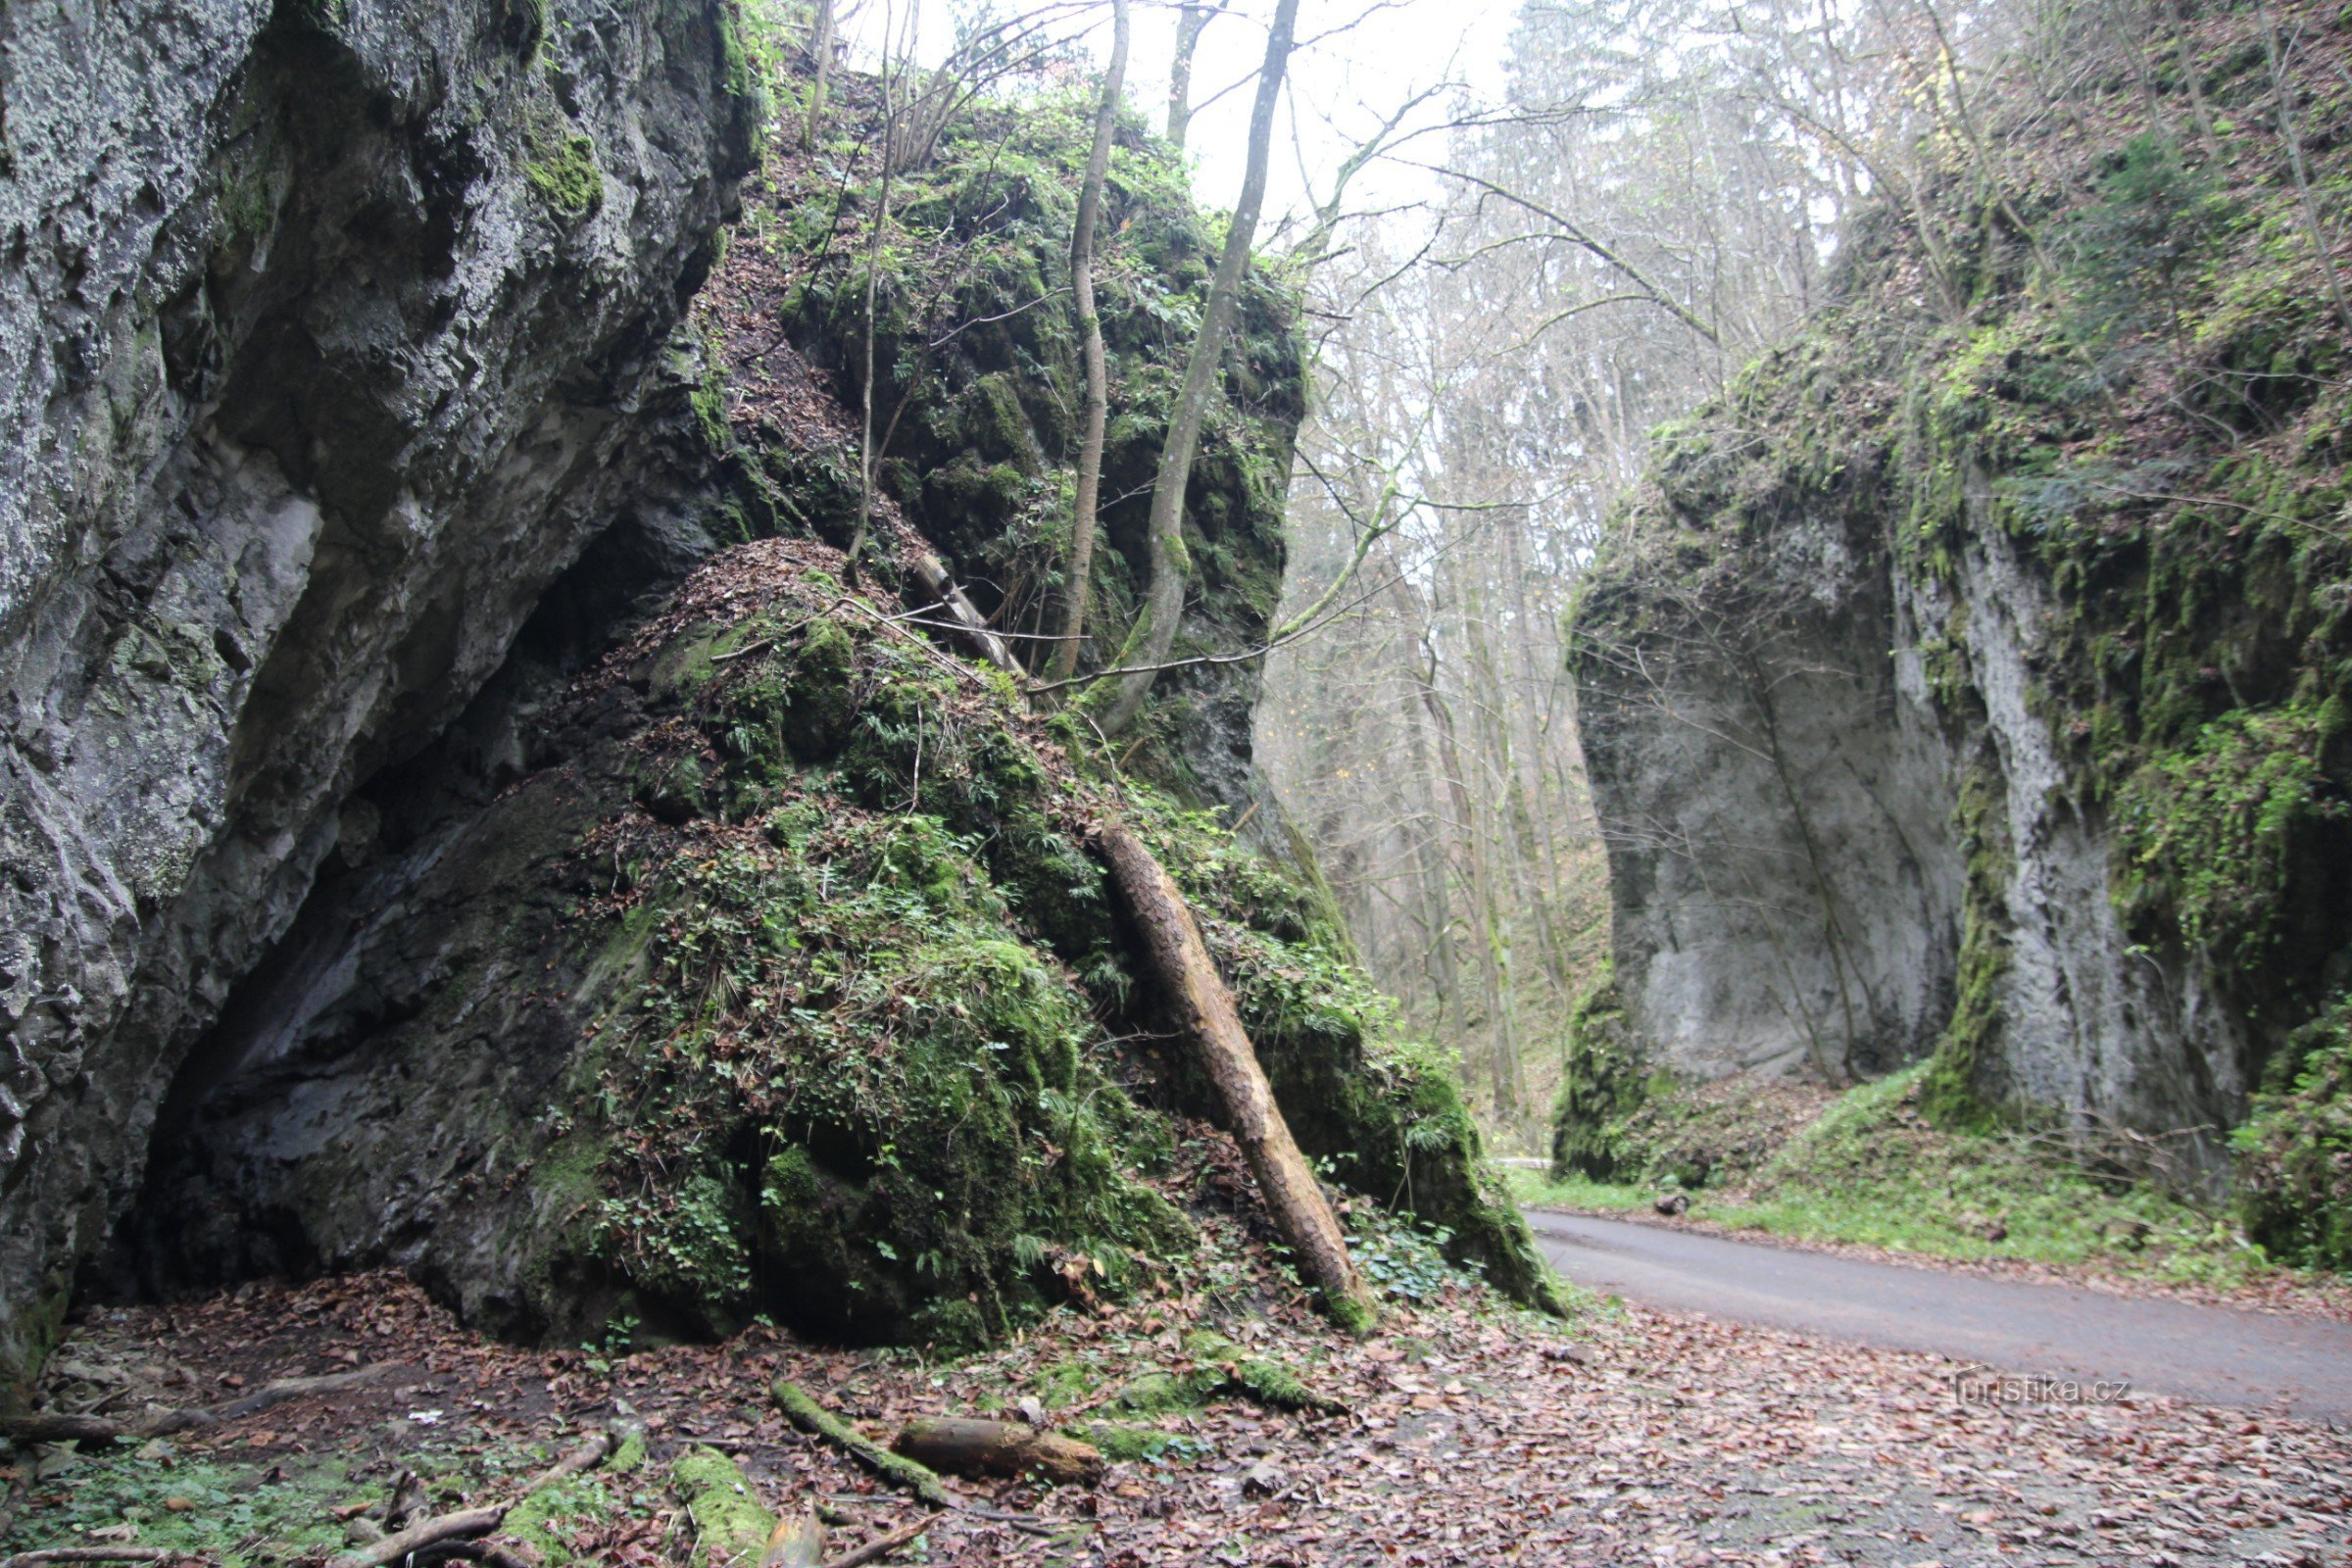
point(1098, 374)
point(1004, 1449)
point(820, 50)
point(1204, 1009)
point(1155, 631)
point(1191, 20)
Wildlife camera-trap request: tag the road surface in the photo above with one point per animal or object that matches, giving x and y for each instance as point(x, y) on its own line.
point(2212, 1355)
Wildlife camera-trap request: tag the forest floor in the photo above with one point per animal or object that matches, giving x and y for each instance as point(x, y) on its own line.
point(1472, 1432)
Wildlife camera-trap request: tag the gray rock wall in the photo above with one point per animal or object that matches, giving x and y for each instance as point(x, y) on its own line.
point(1777, 808)
point(329, 335)
point(1781, 777)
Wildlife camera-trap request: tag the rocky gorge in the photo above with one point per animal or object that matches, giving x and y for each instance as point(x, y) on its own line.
point(367, 775)
point(1969, 685)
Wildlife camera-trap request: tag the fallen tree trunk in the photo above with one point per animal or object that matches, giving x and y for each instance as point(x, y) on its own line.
point(818, 1422)
point(1204, 1009)
point(972, 626)
point(102, 1429)
point(1004, 1449)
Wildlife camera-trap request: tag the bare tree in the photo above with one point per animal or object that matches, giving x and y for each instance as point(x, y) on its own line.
point(1122, 691)
point(1079, 579)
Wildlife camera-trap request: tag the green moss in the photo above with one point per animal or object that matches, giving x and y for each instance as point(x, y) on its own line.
point(1955, 1092)
point(245, 1513)
point(730, 1527)
point(1134, 1444)
point(1602, 1080)
point(2295, 1153)
point(546, 1521)
point(560, 164)
point(2213, 829)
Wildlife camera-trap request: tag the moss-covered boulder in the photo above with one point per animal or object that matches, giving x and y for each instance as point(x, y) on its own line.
point(828, 1036)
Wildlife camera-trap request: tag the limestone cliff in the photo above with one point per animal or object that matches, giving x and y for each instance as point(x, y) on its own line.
point(331, 334)
point(370, 753)
point(1973, 679)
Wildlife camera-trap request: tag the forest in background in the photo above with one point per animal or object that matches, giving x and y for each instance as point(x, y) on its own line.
point(1656, 200)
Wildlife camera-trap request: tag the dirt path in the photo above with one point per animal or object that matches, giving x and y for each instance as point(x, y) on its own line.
point(2214, 1355)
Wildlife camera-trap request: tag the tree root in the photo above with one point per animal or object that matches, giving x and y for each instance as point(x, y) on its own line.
point(469, 1523)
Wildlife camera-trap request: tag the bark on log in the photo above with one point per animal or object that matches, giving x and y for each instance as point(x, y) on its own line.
point(1204, 1008)
point(31, 1560)
point(797, 1541)
point(100, 1429)
point(818, 1422)
point(932, 574)
point(1004, 1449)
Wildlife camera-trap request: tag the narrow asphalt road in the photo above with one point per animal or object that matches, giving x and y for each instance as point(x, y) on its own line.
point(2214, 1356)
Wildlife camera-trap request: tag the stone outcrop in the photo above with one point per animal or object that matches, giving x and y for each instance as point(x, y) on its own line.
point(332, 333)
point(357, 420)
point(1974, 680)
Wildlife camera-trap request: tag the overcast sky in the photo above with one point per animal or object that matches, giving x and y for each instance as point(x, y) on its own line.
point(1344, 82)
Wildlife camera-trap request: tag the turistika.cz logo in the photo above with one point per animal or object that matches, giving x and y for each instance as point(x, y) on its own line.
point(1982, 1385)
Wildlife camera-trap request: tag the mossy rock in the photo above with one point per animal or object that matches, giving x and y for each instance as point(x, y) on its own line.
point(2295, 1153)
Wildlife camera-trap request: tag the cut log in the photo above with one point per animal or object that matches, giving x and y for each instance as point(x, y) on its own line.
point(1004, 1449)
point(1204, 1009)
point(818, 1422)
point(798, 1542)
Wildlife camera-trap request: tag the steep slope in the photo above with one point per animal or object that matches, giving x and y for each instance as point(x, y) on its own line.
point(332, 335)
point(1972, 680)
point(782, 983)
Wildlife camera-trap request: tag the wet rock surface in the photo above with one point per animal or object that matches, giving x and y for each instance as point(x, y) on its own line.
point(333, 335)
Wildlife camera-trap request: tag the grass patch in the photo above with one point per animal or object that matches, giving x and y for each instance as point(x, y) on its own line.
point(1871, 1170)
point(234, 1514)
point(1535, 1189)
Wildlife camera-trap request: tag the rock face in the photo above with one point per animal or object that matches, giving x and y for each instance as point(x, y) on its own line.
point(760, 966)
point(1974, 680)
point(331, 334)
point(353, 890)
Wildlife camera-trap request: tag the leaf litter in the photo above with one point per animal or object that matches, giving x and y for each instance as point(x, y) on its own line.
point(1466, 1432)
